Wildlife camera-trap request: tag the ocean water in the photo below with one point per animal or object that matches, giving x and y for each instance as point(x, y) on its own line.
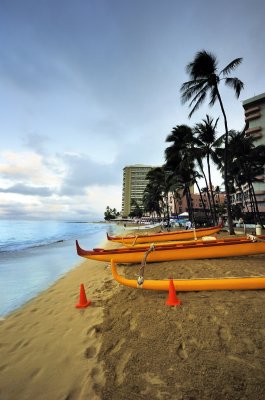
point(34, 254)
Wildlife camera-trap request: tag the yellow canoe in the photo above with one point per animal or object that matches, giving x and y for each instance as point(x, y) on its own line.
point(189, 234)
point(189, 285)
point(170, 243)
point(228, 247)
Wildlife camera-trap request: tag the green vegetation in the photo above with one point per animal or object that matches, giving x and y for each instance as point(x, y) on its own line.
point(205, 79)
point(136, 209)
point(110, 214)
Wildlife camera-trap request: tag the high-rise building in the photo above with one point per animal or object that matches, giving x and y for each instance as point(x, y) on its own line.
point(134, 184)
point(255, 126)
point(255, 117)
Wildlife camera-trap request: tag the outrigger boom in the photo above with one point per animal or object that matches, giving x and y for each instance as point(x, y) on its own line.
point(189, 285)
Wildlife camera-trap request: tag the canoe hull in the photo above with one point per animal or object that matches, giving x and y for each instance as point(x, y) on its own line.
point(166, 236)
point(188, 285)
point(192, 251)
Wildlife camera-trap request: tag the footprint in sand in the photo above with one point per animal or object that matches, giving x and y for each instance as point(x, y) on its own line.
point(249, 346)
point(181, 351)
point(222, 308)
point(193, 342)
point(213, 318)
point(133, 324)
point(118, 346)
point(224, 334)
point(120, 375)
point(90, 352)
point(95, 330)
point(35, 373)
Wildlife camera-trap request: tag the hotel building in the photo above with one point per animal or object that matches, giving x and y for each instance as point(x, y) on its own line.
point(255, 126)
point(134, 184)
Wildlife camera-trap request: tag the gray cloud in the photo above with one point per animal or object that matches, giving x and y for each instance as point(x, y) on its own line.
point(83, 172)
point(17, 210)
point(36, 142)
point(28, 190)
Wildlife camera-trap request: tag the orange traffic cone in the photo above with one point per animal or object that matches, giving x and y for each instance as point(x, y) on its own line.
point(172, 297)
point(83, 302)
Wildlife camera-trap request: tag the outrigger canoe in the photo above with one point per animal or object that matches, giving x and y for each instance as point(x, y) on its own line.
point(188, 285)
point(166, 236)
point(225, 247)
point(170, 243)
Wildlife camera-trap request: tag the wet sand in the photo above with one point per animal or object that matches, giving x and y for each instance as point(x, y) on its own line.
point(129, 345)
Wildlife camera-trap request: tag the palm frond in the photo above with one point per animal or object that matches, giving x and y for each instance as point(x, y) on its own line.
point(198, 95)
point(198, 103)
point(235, 84)
point(216, 122)
point(220, 141)
point(213, 96)
point(190, 88)
point(231, 66)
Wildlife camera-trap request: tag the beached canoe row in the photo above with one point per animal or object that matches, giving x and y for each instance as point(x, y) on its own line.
point(187, 285)
point(219, 248)
point(189, 234)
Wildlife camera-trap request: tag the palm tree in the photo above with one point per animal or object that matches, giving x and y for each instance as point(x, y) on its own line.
point(136, 210)
point(198, 176)
point(180, 159)
point(205, 79)
point(206, 139)
point(199, 157)
point(246, 164)
point(155, 198)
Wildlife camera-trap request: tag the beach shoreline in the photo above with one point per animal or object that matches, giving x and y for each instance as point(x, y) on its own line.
point(129, 345)
point(48, 346)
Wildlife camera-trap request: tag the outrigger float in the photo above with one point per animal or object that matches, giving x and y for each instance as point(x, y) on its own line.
point(189, 234)
point(220, 248)
point(189, 285)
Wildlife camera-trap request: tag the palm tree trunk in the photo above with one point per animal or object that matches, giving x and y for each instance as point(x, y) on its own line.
point(227, 189)
point(208, 194)
point(167, 211)
point(258, 218)
point(211, 189)
point(175, 200)
point(188, 199)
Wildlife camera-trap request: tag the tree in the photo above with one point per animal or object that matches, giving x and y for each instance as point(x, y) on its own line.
point(205, 79)
point(136, 210)
point(110, 214)
point(206, 138)
point(180, 159)
point(155, 198)
point(246, 165)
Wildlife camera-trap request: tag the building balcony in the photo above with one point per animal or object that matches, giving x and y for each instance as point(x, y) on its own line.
point(252, 110)
point(250, 117)
point(255, 130)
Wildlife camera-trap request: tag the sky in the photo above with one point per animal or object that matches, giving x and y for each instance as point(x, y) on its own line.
point(90, 86)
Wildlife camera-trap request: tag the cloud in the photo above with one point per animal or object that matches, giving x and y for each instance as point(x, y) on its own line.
point(82, 172)
point(36, 142)
point(28, 190)
point(29, 168)
point(62, 186)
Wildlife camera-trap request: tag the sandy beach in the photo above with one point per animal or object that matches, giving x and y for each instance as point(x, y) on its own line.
point(129, 345)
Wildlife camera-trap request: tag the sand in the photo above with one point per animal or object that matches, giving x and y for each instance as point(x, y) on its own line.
point(129, 345)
